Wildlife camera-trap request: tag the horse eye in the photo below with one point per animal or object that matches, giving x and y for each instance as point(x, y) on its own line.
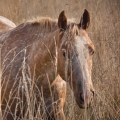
point(64, 52)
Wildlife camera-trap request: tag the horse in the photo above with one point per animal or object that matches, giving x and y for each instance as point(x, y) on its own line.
point(38, 58)
point(6, 24)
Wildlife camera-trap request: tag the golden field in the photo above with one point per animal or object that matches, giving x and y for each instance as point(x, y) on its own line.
point(104, 31)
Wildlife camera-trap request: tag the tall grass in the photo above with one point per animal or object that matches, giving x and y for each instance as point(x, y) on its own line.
point(27, 98)
point(0, 84)
point(104, 32)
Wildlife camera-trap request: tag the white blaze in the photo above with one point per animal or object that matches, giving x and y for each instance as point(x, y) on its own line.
point(83, 56)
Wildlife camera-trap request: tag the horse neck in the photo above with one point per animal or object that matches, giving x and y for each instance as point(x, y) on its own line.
point(43, 58)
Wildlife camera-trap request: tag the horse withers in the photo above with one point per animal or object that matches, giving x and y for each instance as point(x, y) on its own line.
point(38, 56)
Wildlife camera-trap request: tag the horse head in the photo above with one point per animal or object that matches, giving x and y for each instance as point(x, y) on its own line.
point(75, 50)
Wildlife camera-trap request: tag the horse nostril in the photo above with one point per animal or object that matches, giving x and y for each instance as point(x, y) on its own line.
point(81, 97)
point(93, 92)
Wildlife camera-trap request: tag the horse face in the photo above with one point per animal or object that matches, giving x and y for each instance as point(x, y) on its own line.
point(75, 59)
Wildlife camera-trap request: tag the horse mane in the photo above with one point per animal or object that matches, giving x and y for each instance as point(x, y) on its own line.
point(45, 23)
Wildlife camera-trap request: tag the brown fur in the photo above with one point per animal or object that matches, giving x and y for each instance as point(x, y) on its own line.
point(32, 57)
point(8, 54)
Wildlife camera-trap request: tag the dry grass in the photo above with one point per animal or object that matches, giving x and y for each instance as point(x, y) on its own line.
point(104, 32)
point(26, 95)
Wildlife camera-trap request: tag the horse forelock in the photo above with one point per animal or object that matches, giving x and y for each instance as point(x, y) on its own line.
point(74, 30)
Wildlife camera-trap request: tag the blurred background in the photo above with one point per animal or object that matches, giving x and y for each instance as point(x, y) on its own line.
point(104, 31)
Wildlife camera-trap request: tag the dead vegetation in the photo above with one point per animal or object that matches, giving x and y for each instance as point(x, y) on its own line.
point(105, 34)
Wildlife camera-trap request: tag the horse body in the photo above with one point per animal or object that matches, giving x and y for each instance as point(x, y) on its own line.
point(39, 55)
point(14, 47)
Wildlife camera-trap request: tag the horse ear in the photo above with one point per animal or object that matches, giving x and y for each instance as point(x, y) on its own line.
point(85, 20)
point(62, 21)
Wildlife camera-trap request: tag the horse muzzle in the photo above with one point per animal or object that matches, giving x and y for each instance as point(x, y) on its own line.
point(84, 100)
